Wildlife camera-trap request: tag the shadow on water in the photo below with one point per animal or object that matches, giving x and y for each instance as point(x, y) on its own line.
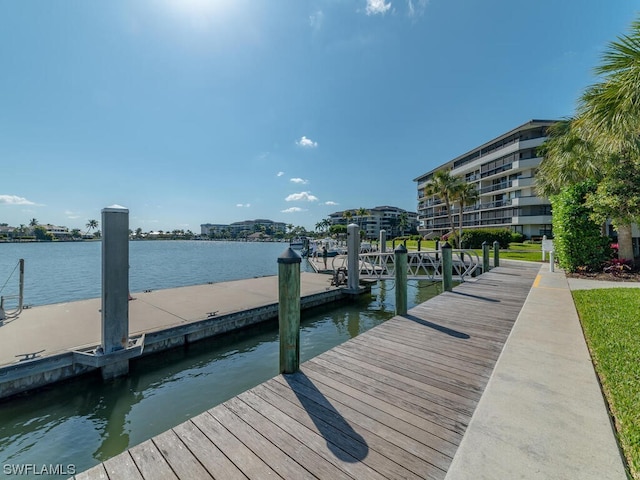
point(85, 421)
point(342, 440)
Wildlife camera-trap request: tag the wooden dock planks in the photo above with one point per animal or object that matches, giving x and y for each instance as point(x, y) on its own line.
point(392, 403)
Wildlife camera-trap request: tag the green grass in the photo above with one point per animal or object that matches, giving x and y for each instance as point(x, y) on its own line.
point(517, 251)
point(612, 329)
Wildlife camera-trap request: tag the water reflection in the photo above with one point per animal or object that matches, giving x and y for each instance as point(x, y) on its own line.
point(84, 422)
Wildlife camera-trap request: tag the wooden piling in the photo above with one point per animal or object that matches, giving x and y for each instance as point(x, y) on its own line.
point(485, 257)
point(289, 310)
point(402, 266)
point(447, 267)
point(496, 254)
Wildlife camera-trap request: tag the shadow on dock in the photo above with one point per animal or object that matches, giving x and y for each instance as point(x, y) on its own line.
point(342, 440)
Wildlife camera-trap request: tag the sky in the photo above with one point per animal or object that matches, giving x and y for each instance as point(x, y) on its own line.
point(217, 111)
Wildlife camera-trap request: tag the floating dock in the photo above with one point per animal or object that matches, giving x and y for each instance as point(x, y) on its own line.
point(46, 344)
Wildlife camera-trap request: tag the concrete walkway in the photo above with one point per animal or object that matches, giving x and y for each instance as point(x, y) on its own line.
point(542, 415)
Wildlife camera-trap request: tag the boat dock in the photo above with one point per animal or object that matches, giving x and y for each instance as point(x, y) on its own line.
point(42, 345)
point(451, 390)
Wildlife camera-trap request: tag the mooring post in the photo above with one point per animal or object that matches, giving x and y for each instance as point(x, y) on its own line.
point(21, 292)
point(383, 241)
point(419, 243)
point(496, 254)
point(115, 287)
point(353, 257)
point(485, 257)
point(551, 261)
point(400, 255)
point(289, 310)
point(437, 249)
point(447, 267)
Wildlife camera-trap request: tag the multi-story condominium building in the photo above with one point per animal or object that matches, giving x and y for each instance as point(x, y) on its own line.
point(244, 227)
point(378, 218)
point(503, 172)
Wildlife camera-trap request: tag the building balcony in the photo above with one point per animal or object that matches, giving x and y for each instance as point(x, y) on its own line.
point(532, 220)
point(526, 163)
point(525, 201)
point(523, 182)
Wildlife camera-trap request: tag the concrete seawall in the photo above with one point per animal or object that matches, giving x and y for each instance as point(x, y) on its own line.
point(47, 344)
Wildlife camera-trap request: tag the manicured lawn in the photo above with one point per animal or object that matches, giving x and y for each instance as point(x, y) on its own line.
point(611, 323)
point(517, 251)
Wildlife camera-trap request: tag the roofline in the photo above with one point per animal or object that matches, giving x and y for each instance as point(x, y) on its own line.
point(530, 123)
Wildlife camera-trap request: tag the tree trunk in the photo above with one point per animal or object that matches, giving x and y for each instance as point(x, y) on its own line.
point(625, 244)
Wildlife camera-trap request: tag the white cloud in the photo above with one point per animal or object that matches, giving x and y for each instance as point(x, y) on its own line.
point(292, 210)
point(14, 200)
point(279, 174)
point(301, 197)
point(300, 181)
point(330, 202)
point(243, 205)
point(316, 20)
point(305, 142)
point(417, 7)
point(375, 7)
point(72, 215)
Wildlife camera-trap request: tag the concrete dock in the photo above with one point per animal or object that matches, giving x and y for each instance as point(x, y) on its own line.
point(41, 341)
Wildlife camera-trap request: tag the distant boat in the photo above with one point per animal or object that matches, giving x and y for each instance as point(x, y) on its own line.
point(296, 243)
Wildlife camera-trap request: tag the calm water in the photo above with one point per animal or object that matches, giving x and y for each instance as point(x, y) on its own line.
point(84, 422)
point(66, 271)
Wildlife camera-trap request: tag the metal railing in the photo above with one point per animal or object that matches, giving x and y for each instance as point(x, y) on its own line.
point(423, 265)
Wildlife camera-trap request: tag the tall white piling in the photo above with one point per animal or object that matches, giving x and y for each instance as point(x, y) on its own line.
point(115, 287)
point(383, 241)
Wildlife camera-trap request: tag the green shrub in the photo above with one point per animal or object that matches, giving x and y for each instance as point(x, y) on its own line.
point(474, 238)
point(578, 242)
point(517, 237)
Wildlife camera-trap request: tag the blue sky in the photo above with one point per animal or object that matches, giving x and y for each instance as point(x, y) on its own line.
point(216, 111)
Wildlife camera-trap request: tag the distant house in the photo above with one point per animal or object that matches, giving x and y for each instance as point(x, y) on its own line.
point(60, 233)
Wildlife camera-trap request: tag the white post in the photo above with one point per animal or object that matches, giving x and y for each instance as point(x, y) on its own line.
point(115, 287)
point(353, 257)
point(383, 241)
point(544, 237)
point(551, 260)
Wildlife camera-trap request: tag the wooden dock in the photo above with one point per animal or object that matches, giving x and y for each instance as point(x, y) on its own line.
point(392, 403)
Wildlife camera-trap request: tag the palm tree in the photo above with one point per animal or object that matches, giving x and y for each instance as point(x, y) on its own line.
point(568, 158)
point(603, 141)
point(403, 222)
point(465, 194)
point(33, 223)
point(442, 185)
point(348, 215)
point(361, 213)
point(91, 225)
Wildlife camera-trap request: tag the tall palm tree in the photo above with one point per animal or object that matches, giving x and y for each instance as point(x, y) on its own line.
point(361, 213)
point(33, 222)
point(348, 214)
point(603, 141)
point(91, 225)
point(568, 158)
point(465, 194)
point(442, 185)
point(403, 222)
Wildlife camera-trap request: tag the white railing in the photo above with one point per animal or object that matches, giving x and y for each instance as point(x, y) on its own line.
point(425, 265)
